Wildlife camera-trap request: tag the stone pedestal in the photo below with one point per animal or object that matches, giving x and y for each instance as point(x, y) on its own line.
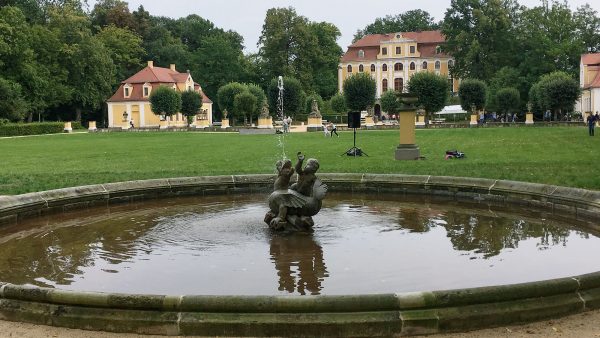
point(473, 120)
point(225, 124)
point(315, 122)
point(369, 121)
point(407, 149)
point(420, 121)
point(408, 152)
point(529, 118)
point(265, 123)
point(92, 126)
point(68, 127)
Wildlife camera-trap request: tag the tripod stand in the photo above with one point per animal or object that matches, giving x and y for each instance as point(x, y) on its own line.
point(354, 151)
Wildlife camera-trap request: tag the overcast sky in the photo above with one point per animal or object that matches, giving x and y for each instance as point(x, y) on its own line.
point(247, 16)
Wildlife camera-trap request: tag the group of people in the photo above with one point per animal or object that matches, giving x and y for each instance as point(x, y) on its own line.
point(330, 129)
point(287, 122)
point(591, 121)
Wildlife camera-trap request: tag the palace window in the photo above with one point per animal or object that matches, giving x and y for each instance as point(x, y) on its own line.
point(398, 50)
point(398, 67)
point(361, 68)
point(424, 65)
point(438, 65)
point(127, 89)
point(384, 85)
point(384, 67)
point(412, 49)
point(413, 66)
point(399, 84)
point(384, 51)
point(372, 68)
point(451, 63)
point(349, 68)
point(147, 89)
point(361, 53)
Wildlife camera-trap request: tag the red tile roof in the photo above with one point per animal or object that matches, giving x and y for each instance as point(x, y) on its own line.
point(590, 59)
point(419, 37)
point(155, 76)
point(427, 42)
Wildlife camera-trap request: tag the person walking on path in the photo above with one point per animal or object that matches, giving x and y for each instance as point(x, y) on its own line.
point(591, 121)
point(333, 129)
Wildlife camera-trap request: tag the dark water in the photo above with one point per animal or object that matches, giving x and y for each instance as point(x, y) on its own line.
point(361, 244)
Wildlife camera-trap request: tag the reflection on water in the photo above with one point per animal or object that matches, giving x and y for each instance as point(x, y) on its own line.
point(299, 263)
point(219, 245)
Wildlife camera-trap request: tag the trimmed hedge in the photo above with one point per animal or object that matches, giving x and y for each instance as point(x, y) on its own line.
point(21, 129)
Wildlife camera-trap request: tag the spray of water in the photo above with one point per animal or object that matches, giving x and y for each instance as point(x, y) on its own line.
point(280, 116)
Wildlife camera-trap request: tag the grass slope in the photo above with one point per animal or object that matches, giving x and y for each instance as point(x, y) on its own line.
point(560, 156)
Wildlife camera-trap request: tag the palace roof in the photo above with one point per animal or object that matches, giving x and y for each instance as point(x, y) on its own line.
point(427, 42)
point(590, 59)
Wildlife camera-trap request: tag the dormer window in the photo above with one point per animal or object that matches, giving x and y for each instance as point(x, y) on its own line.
point(127, 89)
point(361, 53)
point(147, 89)
point(438, 49)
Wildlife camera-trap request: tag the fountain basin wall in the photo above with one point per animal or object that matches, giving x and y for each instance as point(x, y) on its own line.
point(353, 315)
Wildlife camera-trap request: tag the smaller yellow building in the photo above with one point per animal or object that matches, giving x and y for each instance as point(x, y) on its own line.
point(589, 79)
point(130, 105)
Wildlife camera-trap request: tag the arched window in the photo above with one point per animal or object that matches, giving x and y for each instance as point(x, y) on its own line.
point(372, 68)
point(384, 85)
point(451, 63)
point(349, 68)
point(399, 84)
point(361, 53)
point(413, 66)
point(384, 67)
point(438, 65)
point(398, 66)
point(424, 65)
point(361, 68)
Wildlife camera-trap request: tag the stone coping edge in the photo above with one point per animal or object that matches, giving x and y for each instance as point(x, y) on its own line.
point(347, 315)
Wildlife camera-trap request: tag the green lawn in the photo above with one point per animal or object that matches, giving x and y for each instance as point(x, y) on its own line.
point(561, 156)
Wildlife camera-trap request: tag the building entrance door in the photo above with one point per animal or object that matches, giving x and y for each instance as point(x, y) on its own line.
point(135, 115)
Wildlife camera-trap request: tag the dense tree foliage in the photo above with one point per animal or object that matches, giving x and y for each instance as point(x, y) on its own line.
point(244, 104)
point(309, 100)
point(509, 100)
point(191, 102)
point(557, 92)
point(410, 21)
point(472, 93)
point(165, 101)
point(390, 103)
point(294, 97)
point(290, 45)
point(359, 91)
point(432, 90)
point(338, 104)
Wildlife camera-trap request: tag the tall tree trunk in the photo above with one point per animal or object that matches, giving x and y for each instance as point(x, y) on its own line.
point(78, 114)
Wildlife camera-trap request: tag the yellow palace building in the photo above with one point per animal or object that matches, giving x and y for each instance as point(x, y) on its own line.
point(589, 78)
point(130, 104)
point(393, 58)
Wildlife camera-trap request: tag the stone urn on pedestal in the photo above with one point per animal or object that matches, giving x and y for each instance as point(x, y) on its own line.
point(315, 119)
point(473, 115)
point(529, 114)
point(407, 149)
point(265, 121)
point(225, 120)
point(369, 119)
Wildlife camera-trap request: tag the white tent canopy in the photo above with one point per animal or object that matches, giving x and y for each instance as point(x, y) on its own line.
point(451, 110)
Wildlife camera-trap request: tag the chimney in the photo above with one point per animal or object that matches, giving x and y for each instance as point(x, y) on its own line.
point(151, 64)
point(172, 66)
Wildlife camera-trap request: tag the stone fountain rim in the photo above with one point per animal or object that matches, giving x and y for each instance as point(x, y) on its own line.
point(350, 315)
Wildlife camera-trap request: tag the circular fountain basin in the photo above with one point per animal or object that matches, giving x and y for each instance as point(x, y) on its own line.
point(102, 257)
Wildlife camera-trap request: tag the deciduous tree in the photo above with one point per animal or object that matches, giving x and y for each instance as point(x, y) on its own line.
point(359, 91)
point(472, 92)
point(165, 101)
point(432, 90)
